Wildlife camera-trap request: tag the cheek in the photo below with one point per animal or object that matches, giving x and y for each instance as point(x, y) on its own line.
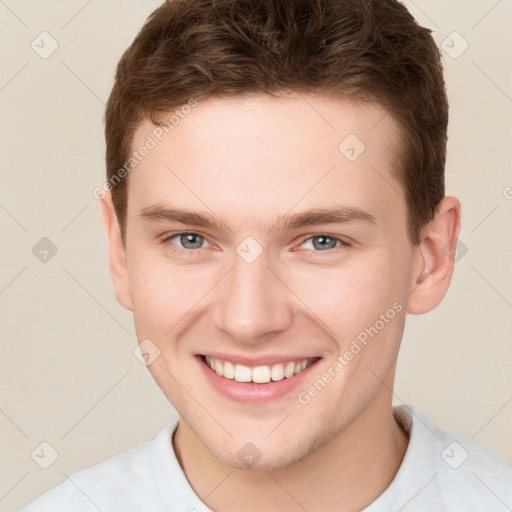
point(349, 298)
point(165, 295)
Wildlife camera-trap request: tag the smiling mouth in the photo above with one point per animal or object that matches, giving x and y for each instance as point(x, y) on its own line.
point(257, 374)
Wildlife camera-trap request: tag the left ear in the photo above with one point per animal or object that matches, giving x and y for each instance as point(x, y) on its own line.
point(435, 258)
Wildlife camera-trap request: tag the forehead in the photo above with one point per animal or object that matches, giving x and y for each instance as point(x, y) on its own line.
point(262, 154)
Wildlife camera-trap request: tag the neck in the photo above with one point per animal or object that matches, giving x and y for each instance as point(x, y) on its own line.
point(352, 469)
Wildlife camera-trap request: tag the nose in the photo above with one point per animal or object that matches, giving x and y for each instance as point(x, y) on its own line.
point(253, 302)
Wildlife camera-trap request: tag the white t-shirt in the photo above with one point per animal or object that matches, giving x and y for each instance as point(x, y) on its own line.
point(440, 472)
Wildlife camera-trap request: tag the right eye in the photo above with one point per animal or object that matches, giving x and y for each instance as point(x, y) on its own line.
point(186, 241)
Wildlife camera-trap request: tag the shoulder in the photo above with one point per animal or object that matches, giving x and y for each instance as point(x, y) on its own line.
point(471, 469)
point(450, 469)
point(122, 482)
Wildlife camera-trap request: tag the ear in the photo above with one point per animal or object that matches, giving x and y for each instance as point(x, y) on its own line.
point(116, 252)
point(435, 257)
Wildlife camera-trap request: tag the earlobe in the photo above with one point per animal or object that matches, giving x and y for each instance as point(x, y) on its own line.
point(116, 252)
point(435, 258)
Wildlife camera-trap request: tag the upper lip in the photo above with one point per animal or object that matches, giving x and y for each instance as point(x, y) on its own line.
point(266, 360)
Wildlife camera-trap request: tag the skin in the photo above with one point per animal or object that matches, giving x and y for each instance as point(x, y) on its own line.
point(247, 162)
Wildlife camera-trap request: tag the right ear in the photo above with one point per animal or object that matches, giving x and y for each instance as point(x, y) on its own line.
point(116, 252)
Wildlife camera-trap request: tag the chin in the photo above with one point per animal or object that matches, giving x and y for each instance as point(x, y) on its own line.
point(253, 459)
point(265, 454)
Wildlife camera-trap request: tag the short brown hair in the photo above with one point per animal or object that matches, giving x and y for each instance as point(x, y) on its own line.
point(362, 49)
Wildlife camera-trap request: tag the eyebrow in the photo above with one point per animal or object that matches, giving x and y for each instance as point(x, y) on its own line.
point(313, 217)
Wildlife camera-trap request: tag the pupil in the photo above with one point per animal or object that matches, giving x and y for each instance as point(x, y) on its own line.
point(323, 242)
point(189, 239)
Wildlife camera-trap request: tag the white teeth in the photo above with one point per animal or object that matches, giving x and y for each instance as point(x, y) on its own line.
point(289, 370)
point(258, 374)
point(277, 372)
point(261, 374)
point(242, 373)
point(229, 370)
point(219, 368)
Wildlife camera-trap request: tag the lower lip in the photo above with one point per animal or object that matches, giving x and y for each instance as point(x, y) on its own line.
point(249, 391)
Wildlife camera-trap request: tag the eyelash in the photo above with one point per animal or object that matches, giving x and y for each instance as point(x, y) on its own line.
point(175, 248)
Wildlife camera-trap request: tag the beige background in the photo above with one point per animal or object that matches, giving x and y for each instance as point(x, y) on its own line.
point(68, 373)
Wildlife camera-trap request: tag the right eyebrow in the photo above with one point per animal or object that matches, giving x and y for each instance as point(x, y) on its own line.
point(158, 213)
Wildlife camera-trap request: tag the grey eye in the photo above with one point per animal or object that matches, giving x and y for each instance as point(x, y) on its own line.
point(191, 240)
point(324, 242)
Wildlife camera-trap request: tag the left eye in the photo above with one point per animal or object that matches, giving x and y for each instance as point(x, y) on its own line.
point(322, 242)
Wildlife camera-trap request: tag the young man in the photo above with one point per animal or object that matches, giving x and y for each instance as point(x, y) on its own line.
point(275, 207)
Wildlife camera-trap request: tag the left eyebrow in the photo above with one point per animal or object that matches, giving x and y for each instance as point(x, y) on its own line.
point(319, 216)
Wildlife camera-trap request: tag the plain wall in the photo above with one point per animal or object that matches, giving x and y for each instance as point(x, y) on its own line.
point(68, 373)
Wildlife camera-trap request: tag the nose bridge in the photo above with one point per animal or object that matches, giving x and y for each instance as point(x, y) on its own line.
point(252, 302)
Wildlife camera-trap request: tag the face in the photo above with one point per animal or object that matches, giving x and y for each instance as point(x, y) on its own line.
point(263, 240)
